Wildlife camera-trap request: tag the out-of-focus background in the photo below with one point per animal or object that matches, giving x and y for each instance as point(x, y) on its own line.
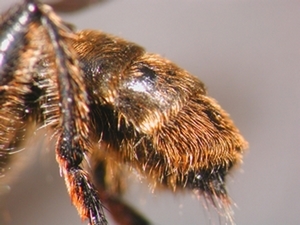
point(248, 54)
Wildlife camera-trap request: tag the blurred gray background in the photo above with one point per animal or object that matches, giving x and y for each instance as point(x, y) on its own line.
point(248, 54)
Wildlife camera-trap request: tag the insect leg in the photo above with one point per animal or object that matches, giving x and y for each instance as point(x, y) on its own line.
point(122, 213)
point(15, 80)
point(73, 134)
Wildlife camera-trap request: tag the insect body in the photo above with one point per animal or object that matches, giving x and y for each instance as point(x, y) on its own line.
point(113, 104)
